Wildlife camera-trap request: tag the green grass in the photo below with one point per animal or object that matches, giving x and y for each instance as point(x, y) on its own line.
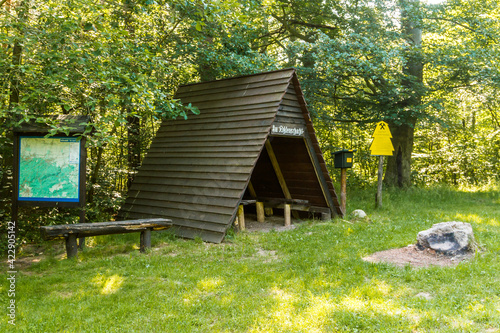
point(310, 279)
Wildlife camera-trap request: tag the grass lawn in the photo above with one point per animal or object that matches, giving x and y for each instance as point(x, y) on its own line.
point(310, 279)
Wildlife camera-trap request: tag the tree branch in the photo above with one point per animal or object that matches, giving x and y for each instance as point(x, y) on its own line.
point(294, 32)
point(312, 25)
point(366, 121)
point(169, 33)
point(370, 85)
point(461, 25)
point(494, 118)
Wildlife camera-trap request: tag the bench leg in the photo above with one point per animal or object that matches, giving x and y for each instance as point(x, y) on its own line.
point(288, 218)
point(71, 246)
point(145, 240)
point(81, 243)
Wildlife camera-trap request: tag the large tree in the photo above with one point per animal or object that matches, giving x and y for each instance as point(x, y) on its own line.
point(366, 61)
point(398, 171)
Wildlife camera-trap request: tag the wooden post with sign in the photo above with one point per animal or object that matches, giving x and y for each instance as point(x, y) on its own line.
point(343, 159)
point(380, 173)
point(343, 189)
point(381, 146)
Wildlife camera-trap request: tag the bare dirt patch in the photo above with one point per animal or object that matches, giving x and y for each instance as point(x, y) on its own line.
point(275, 223)
point(30, 254)
point(266, 256)
point(411, 255)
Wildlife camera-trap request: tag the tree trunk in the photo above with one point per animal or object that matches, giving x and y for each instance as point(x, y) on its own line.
point(133, 122)
point(134, 147)
point(207, 69)
point(22, 13)
point(14, 83)
point(95, 174)
point(6, 142)
point(398, 171)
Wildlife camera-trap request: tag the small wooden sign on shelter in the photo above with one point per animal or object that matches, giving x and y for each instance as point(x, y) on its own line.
point(253, 141)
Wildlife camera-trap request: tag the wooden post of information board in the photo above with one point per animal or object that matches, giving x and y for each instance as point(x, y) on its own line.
point(15, 184)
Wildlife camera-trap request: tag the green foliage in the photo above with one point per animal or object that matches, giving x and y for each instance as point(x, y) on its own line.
point(460, 156)
point(358, 75)
point(120, 63)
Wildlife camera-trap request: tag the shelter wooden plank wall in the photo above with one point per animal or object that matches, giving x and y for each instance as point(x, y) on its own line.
point(298, 170)
point(197, 170)
point(290, 111)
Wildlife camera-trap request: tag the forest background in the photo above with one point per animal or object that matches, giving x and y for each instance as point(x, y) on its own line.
point(432, 71)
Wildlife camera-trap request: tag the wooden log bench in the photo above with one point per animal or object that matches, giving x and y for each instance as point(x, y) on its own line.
point(297, 205)
point(264, 207)
point(288, 205)
point(70, 232)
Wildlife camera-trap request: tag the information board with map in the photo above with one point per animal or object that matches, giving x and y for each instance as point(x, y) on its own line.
point(49, 169)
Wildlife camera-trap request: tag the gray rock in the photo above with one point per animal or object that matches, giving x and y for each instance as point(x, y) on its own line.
point(425, 295)
point(449, 238)
point(358, 214)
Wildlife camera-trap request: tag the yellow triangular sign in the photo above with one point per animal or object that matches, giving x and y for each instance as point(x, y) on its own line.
point(382, 144)
point(382, 129)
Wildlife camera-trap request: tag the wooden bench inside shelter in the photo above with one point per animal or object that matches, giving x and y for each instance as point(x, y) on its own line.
point(70, 232)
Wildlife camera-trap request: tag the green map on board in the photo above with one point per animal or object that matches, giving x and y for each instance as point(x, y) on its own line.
point(49, 169)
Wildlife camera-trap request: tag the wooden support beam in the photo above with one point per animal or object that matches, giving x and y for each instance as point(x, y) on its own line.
point(319, 173)
point(241, 217)
point(279, 174)
point(251, 190)
point(288, 219)
point(380, 174)
point(261, 217)
point(277, 170)
point(268, 211)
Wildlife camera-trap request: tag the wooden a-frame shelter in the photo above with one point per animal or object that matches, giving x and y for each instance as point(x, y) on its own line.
point(253, 139)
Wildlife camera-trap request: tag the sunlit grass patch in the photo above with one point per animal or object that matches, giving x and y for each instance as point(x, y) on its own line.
point(476, 218)
point(295, 313)
point(108, 284)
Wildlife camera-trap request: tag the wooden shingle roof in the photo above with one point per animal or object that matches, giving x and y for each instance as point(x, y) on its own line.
point(196, 171)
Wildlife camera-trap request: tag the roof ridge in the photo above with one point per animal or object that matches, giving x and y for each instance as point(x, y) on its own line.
point(241, 76)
